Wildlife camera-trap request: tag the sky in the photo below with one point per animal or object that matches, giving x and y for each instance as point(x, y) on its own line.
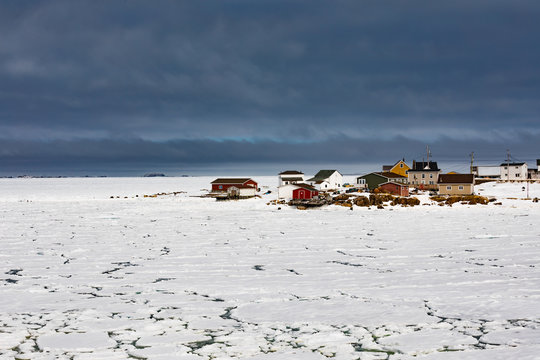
point(181, 87)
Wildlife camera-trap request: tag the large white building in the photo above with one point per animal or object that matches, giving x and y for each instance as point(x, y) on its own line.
point(514, 171)
point(487, 172)
point(327, 180)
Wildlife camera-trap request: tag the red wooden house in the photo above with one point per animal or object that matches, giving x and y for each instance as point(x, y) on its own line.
point(395, 188)
point(304, 192)
point(222, 184)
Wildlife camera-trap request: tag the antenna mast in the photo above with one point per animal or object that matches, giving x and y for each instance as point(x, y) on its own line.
point(472, 161)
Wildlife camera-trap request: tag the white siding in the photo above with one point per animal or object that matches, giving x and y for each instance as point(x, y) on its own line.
point(247, 191)
point(285, 179)
point(514, 172)
point(285, 191)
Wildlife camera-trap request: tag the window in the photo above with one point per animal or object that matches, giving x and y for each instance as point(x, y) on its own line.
point(448, 188)
point(431, 176)
point(401, 165)
point(220, 187)
point(361, 181)
point(517, 168)
point(430, 182)
point(460, 187)
point(423, 176)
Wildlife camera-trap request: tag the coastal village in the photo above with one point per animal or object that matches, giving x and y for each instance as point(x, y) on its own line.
point(399, 180)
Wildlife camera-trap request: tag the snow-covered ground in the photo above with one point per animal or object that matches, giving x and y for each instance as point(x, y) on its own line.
point(86, 276)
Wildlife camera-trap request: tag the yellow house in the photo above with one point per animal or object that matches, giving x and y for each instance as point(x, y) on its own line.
point(399, 168)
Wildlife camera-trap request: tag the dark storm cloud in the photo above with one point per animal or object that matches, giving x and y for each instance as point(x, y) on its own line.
point(117, 157)
point(288, 71)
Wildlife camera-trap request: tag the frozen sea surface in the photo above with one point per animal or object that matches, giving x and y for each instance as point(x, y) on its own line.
point(87, 276)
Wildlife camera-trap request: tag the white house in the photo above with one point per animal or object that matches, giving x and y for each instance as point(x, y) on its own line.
point(290, 177)
point(487, 172)
point(514, 171)
point(327, 180)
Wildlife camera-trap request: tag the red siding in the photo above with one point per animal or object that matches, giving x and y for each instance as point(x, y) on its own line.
point(304, 194)
point(395, 189)
point(224, 187)
point(251, 182)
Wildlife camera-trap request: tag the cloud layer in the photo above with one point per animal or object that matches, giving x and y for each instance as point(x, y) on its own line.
point(250, 74)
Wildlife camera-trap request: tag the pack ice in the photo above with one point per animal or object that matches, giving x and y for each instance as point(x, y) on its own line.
point(92, 269)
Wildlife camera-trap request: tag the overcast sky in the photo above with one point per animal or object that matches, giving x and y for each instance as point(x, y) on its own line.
point(112, 86)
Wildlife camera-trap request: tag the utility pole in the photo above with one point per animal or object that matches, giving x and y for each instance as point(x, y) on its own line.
point(472, 161)
point(507, 165)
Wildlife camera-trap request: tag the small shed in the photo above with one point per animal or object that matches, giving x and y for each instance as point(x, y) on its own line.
point(395, 188)
point(241, 191)
point(304, 192)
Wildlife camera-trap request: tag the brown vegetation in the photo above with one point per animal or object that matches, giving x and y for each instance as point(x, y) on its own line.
point(465, 199)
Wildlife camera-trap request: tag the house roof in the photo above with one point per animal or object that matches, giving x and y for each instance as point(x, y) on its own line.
point(424, 166)
point(294, 179)
point(387, 167)
point(513, 164)
point(291, 172)
point(379, 174)
point(391, 175)
point(385, 174)
point(322, 175)
point(456, 179)
point(306, 186)
point(394, 183)
point(231, 181)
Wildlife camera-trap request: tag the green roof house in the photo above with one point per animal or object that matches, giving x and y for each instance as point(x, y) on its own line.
point(326, 180)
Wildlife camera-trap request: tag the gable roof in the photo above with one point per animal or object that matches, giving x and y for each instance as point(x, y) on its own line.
point(306, 186)
point(379, 174)
point(300, 185)
point(387, 167)
point(456, 179)
point(513, 164)
point(392, 175)
point(394, 183)
point(231, 181)
point(424, 166)
point(323, 175)
point(291, 172)
point(294, 179)
point(386, 175)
